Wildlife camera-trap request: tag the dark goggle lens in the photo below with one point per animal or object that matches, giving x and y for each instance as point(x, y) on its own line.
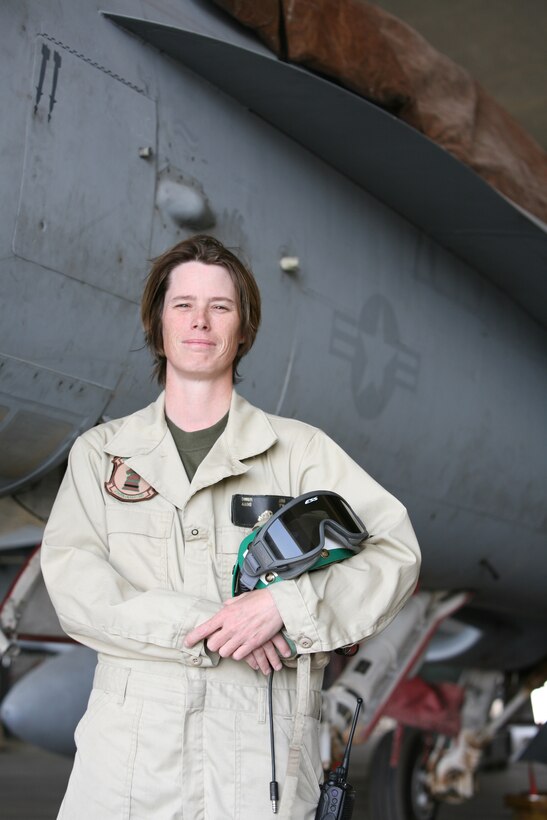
point(297, 530)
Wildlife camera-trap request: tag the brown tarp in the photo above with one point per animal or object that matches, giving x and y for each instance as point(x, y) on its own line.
point(378, 56)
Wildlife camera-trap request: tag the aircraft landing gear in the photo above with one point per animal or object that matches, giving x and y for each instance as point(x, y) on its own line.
point(422, 804)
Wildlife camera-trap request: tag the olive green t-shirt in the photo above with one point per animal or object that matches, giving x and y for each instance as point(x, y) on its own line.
point(193, 447)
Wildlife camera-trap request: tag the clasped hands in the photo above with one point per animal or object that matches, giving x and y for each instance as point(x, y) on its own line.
point(246, 628)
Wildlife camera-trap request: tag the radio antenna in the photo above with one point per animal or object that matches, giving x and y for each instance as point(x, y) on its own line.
point(344, 766)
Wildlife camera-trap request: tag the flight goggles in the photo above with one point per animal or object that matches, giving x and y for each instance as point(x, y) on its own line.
point(308, 533)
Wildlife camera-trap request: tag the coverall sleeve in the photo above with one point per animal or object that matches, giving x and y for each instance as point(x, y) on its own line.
point(346, 602)
point(95, 604)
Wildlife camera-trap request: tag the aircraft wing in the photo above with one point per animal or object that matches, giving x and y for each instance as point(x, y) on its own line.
point(377, 151)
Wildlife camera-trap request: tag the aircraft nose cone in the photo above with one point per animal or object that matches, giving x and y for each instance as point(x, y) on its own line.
point(44, 707)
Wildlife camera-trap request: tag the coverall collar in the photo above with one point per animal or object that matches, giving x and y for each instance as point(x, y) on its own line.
point(145, 443)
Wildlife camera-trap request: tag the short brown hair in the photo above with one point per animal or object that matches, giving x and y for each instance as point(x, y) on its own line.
point(206, 249)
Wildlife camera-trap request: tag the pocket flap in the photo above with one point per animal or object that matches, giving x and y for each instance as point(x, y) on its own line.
point(154, 524)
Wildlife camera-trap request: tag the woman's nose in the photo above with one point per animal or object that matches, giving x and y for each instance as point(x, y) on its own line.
point(199, 320)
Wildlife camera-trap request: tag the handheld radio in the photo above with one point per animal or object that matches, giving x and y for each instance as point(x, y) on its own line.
point(337, 796)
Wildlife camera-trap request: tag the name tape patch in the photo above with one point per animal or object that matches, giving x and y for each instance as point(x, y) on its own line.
point(247, 509)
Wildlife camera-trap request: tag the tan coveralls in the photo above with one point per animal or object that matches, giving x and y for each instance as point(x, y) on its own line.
point(172, 732)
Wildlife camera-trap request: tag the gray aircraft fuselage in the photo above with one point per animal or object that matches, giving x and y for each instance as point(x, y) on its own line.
point(428, 373)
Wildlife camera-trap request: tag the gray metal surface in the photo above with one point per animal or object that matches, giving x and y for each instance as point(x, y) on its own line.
point(436, 379)
point(42, 411)
point(82, 166)
point(379, 152)
point(30, 707)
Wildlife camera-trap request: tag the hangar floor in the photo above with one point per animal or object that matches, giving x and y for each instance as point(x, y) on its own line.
point(32, 783)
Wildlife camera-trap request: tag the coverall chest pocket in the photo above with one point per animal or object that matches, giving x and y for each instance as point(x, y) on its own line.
point(137, 541)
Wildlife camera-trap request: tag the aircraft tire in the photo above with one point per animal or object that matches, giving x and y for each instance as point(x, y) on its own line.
point(398, 793)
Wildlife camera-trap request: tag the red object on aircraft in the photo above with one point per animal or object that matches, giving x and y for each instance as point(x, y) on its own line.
point(427, 706)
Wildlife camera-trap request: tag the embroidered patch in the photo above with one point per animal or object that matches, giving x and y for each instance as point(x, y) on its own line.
point(127, 485)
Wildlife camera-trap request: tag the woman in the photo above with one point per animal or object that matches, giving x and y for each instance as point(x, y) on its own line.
point(138, 555)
